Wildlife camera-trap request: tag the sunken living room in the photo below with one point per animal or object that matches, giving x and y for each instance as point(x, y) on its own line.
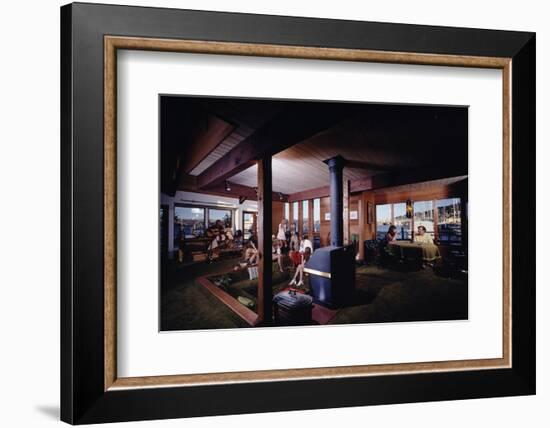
point(305, 213)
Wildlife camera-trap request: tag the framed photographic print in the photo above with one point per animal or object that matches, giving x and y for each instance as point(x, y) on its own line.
point(272, 213)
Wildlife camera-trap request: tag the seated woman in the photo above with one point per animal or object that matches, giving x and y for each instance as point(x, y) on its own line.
point(300, 269)
point(216, 233)
point(276, 253)
point(250, 254)
point(294, 253)
point(238, 238)
point(422, 237)
point(390, 236)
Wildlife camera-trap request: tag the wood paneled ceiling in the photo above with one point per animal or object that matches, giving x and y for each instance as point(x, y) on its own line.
point(373, 145)
point(375, 138)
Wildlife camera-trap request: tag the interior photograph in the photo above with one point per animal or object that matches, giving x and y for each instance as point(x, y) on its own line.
point(365, 204)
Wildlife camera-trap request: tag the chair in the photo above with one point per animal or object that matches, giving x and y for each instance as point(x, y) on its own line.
point(371, 249)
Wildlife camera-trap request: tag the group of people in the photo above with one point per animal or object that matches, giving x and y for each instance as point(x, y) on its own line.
point(299, 249)
point(286, 243)
point(420, 237)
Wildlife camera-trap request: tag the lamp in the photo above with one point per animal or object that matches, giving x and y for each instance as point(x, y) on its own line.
point(227, 186)
point(409, 209)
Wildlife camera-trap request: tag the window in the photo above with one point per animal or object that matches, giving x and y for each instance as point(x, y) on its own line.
point(449, 227)
point(294, 225)
point(317, 215)
point(248, 224)
point(287, 210)
point(223, 215)
point(402, 222)
point(442, 221)
point(188, 222)
point(393, 214)
point(383, 220)
point(424, 216)
point(305, 216)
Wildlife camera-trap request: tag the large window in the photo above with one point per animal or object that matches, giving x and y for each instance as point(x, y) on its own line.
point(393, 214)
point(294, 225)
point(317, 215)
point(223, 215)
point(383, 220)
point(305, 216)
point(402, 222)
point(287, 210)
point(424, 216)
point(449, 226)
point(249, 224)
point(442, 221)
point(188, 222)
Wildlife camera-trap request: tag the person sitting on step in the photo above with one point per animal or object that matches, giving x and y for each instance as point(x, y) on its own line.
point(300, 269)
point(276, 254)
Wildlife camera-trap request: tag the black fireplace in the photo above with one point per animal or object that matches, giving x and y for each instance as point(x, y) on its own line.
point(332, 269)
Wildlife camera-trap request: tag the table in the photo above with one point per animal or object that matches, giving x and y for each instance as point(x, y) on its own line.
point(414, 251)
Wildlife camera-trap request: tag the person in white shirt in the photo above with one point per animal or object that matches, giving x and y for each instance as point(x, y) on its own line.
point(305, 243)
point(281, 233)
point(421, 237)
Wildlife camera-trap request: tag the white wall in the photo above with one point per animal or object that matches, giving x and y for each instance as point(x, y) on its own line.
point(29, 173)
point(210, 200)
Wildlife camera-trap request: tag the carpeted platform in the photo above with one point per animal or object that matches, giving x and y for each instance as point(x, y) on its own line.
point(382, 295)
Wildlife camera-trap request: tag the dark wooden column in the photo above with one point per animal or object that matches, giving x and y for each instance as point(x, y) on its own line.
point(362, 214)
point(265, 292)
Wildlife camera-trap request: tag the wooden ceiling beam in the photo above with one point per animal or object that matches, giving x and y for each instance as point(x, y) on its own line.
point(296, 123)
point(188, 183)
point(208, 134)
point(381, 181)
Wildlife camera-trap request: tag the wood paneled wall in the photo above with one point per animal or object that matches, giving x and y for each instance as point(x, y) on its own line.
point(278, 211)
point(456, 190)
point(359, 202)
point(325, 225)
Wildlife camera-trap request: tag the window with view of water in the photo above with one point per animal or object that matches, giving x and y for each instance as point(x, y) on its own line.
point(449, 225)
point(305, 216)
point(188, 222)
point(223, 215)
point(424, 216)
point(401, 221)
point(383, 220)
point(442, 221)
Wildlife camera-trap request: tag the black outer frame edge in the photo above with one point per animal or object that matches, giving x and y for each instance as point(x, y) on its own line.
point(66, 306)
point(299, 31)
point(82, 397)
point(524, 197)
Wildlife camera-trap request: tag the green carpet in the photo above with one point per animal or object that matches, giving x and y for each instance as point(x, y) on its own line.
point(382, 295)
